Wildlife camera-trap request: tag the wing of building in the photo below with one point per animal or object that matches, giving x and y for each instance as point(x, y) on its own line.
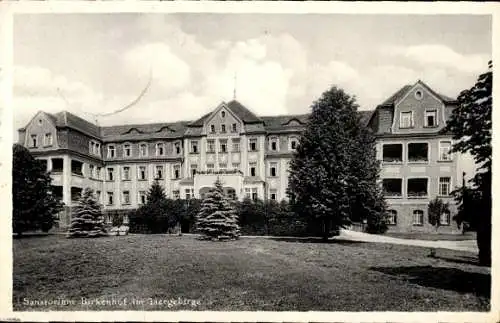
point(249, 153)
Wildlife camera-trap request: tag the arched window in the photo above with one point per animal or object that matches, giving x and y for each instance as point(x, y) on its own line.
point(418, 217)
point(392, 218)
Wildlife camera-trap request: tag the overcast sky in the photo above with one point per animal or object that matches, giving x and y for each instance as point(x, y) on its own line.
point(98, 63)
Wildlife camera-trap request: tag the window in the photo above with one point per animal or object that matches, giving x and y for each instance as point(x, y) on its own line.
point(231, 193)
point(431, 118)
point(417, 187)
point(57, 165)
point(418, 152)
point(223, 114)
point(223, 146)
point(293, 143)
point(273, 169)
point(418, 95)
point(177, 148)
point(126, 197)
point(444, 150)
point(97, 149)
point(91, 171)
point(233, 127)
point(251, 193)
point(34, 139)
point(273, 144)
point(212, 128)
point(444, 186)
point(98, 196)
point(126, 173)
point(194, 167)
point(177, 172)
point(160, 149)
point(236, 145)
point(252, 144)
point(392, 187)
point(142, 197)
point(210, 167)
point(94, 148)
point(159, 172)
point(127, 150)
point(143, 150)
point(223, 128)
point(210, 146)
point(273, 195)
point(91, 147)
point(253, 169)
point(111, 151)
point(392, 153)
point(189, 193)
point(76, 167)
point(236, 166)
point(418, 217)
point(176, 194)
point(47, 140)
point(445, 218)
point(76, 193)
point(392, 217)
point(406, 120)
point(98, 172)
point(110, 198)
point(223, 167)
point(194, 146)
point(111, 174)
point(142, 173)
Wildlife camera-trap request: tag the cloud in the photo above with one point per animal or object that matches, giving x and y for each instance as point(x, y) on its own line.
point(441, 55)
point(167, 69)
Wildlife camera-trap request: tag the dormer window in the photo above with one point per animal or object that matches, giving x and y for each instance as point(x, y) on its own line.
point(212, 128)
point(223, 128)
point(431, 118)
point(143, 150)
point(34, 141)
point(127, 150)
point(111, 151)
point(160, 149)
point(406, 120)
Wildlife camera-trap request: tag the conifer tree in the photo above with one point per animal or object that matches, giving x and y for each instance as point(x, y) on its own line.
point(217, 218)
point(87, 219)
point(333, 175)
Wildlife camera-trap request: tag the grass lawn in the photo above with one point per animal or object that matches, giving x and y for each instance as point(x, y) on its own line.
point(432, 236)
point(249, 274)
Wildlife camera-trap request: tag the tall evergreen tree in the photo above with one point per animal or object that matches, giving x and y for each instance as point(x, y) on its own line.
point(86, 218)
point(470, 124)
point(217, 218)
point(34, 202)
point(154, 214)
point(333, 175)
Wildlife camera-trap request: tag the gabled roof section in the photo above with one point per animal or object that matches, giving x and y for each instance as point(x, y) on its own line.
point(237, 108)
point(365, 116)
point(66, 119)
point(393, 99)
point(283, 122)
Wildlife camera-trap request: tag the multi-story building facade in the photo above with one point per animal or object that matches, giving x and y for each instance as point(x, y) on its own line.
point(250, 154)
point(416, 163)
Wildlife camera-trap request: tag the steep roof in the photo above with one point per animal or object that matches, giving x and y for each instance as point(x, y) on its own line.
point(144, 131)
point(237, 108)
point(402, 92)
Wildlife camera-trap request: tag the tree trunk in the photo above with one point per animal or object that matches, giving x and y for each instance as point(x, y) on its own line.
point(326, 229)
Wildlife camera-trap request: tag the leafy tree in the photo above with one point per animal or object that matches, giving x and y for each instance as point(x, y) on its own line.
point(217, 218)
point(435, 209)
point(34, 202)
point(333, 175)
point(252, 216)
point(87, 219)
point(470, 124)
